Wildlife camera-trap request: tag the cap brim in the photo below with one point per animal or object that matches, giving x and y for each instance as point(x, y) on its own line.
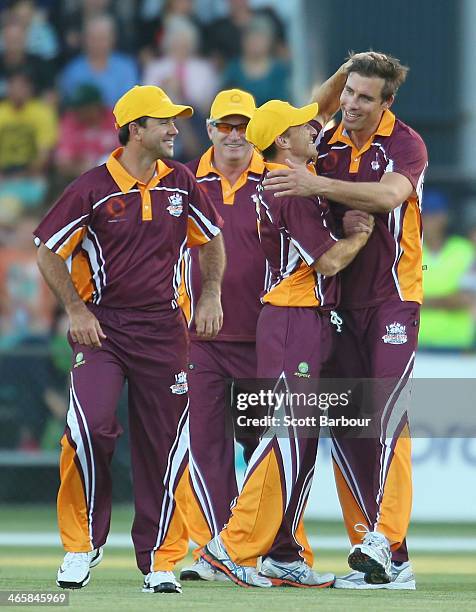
point(305, 114)
point(174, 110)
point(233, 111)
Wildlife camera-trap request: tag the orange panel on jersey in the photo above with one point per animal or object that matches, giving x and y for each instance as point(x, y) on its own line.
point(396, 505)
point(409, 269)
point(298, 289)
point(82, 277)
point(184, 299)
point(195, 236)
point(72, 508)
point(68, 247)
point(258, 513)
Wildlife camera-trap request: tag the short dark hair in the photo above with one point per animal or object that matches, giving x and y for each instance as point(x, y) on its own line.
point(383, 66)
point(124, 133)
point(270, 152)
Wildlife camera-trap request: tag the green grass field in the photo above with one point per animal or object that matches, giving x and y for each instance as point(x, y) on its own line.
point(444, 581)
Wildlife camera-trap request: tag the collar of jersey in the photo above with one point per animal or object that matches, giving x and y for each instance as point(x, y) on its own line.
point(206, 167)
point(385, 128)
point(126, 181)
point(273, 166)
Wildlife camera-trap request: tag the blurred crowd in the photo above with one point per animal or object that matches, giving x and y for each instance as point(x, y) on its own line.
point(63, 64)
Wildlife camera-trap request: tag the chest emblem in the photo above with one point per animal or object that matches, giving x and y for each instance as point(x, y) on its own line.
point(375, 165)
point(176, 207)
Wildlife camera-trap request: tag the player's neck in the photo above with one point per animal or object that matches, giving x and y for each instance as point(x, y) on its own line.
point(232, 170)
point(139, 166)
point(282, 156)
point(360, 137)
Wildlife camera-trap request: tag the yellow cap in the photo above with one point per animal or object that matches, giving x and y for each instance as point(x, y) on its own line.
point(274, 118)
point(232, 102)
point(147, 101)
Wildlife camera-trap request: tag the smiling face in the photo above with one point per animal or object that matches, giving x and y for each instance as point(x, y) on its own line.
point(301, 141)
point(361, 103)
point(157, 137)
point(231, 146)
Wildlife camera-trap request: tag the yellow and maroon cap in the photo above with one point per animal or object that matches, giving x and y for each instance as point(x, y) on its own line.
point(147, 101)
point(274, 118)
point(232, 102)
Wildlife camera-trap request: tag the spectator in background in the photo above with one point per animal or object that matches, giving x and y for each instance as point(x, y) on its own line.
point(223, 36)
point(28, 132)
point(111, 72)
point(447, 315)
point(257, 71)
point(73, 15)
point(14, 57)
point(180, 71)
point(153, 24)
point(26, 304)
point(187, 77)
point(87, 133)
point(41, 39)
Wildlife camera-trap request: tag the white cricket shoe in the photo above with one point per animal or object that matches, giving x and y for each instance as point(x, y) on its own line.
point(216, 555)
point(372, 557)
point(161, 582)
point(295, 574)
point(202, 570)
point(402, 579)
point(74, 571)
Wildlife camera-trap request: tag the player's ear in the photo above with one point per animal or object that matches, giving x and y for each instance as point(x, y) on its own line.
point(209, 129)
point(388, 102)
point(282, 141)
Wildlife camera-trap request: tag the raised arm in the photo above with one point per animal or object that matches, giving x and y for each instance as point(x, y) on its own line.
point(83, 325)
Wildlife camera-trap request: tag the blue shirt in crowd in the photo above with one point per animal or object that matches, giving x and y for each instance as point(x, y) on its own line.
point(120, 74)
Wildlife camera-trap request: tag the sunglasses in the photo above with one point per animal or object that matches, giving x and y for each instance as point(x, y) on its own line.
point(227, 128)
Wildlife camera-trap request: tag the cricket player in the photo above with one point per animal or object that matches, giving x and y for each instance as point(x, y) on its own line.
point(228, 172)
point(374, 163)
point(293, 337)
point(111, 250)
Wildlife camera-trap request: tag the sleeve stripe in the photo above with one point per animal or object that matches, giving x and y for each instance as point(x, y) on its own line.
point(213, 229)
point(62, 232)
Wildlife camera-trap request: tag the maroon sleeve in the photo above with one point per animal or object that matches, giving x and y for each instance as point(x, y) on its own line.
point(408, 156)
point(63, 227)
point(204, 222)
point(303, 218)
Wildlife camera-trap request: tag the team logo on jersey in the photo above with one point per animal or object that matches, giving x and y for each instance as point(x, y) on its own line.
point(79, 360)
point(375, 165)
point(176, 206)
point(303, 370)
point(337, 321)
point(396, 334)
point(181, 385)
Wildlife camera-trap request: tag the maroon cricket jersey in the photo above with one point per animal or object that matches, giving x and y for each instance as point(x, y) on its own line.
point(124, 241)
point(245, 272)
point(390, 264)
point(294, 233)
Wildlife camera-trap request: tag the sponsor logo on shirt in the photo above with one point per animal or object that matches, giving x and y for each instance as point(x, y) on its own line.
point(176, 206)
point(396, 334)
point(181, 386)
